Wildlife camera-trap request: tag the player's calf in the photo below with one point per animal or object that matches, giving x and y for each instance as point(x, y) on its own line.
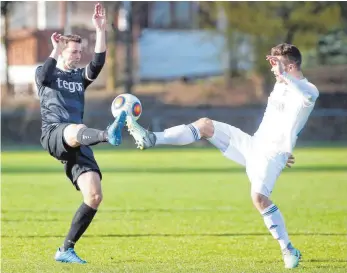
point(90, 185)
point(79, 134)
point(181, 134)
point(178, 135)
point(273, 218)
point(274, 221)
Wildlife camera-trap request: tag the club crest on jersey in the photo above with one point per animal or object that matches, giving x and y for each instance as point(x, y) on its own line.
point(70, 86)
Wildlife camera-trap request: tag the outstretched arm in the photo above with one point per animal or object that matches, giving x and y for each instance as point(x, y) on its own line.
point(306, 89)
point(93, 69)
point(99, 21)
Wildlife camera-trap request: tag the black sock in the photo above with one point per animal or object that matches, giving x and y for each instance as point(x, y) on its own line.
point(80, 223)
point(88, 136)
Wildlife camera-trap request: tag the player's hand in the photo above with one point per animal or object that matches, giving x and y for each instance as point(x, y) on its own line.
point(277, 65)
point(290, 161)
point(57, 41)
point(99, 17)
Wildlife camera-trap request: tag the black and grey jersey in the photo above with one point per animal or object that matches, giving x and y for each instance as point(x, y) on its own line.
point(62, 98)
point(62, 93)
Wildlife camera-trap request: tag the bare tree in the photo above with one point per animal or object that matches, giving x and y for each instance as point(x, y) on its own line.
point(343, 11)
point(5, 9)
point(111, 58)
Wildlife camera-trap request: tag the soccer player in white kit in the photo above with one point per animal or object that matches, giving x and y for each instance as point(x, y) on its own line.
point(264, 154)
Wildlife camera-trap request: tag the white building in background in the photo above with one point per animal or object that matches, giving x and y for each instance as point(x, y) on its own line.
point(169, 42)
point(30, 25)
point(166, 55)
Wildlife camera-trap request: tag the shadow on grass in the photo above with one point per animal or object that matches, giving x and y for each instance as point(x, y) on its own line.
point(326, 261)
point(314, 261)
point(176, 235)
point(168, 170)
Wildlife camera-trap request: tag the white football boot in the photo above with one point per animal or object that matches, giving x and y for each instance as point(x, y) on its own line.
point(291, 257)
point(144, 139)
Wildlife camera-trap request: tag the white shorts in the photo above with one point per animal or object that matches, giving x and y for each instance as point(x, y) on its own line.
point(262, 167)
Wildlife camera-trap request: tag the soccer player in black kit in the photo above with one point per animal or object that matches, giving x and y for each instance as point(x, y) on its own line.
point(61, 86)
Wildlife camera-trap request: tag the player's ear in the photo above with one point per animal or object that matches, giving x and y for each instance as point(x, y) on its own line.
point(294, 67)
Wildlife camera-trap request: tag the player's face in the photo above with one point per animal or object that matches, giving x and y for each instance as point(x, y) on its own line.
point(288, 66)
point(72, 55)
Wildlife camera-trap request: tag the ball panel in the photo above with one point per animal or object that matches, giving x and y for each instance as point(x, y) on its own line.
point(119, 102)
point(137, 109)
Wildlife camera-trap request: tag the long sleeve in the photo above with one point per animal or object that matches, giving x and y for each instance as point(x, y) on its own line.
point(94, 68)
point(44, 73)
point(305, 88)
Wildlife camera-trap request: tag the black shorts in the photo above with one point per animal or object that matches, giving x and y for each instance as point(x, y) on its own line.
point(76, 160)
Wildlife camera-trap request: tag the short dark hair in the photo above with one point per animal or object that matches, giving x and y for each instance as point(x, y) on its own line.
point(290, 52)
point(72, 38)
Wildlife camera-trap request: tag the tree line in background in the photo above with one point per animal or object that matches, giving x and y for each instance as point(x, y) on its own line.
point(317, 28)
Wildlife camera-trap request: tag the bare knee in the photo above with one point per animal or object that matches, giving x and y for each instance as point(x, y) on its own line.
point(260, 201)
point(90, 186)
point(205, 126)
point(70, 134)
point(93, 200)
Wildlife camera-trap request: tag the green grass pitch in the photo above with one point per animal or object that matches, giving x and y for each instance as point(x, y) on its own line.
point(182, 210)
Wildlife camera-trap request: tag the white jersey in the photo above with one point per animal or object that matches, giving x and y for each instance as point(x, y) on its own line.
point(288, 108)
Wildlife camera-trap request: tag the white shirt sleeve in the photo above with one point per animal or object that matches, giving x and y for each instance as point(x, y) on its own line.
point(306, 89)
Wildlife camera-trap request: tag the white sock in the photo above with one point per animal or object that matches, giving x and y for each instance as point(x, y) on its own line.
point(219, 139)
point(178, 135)
point(275, 223)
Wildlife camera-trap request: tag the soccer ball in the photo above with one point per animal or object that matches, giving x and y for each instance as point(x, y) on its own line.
point(128, 103)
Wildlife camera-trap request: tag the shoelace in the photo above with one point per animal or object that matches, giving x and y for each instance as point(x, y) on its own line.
point(72, 256)
point(293, 252)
